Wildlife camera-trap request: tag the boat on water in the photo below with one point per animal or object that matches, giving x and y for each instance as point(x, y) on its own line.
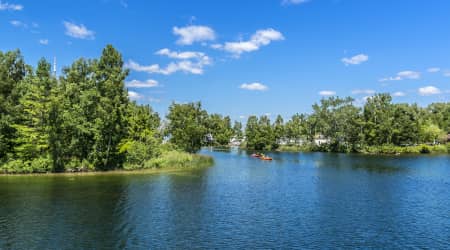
point(262, 157)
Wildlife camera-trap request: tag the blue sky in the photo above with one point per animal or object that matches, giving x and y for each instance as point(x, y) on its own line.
point(247, 57)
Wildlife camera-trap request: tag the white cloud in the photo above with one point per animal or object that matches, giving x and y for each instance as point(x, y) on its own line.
point(402, 75)
point(409, 74)
point(134, 95)
point(257, 40)
point(10, 6)
point(242, 117)
point(429, 90)
point(254, 86)
point(363, 91)
point(43, 41)
point(78, 31)
point(150, 83)
point(447, 73)
point(358, 59)
point(188, 62)
point(154, 68)
point(327, 93)
point(293, 2)
point(17, 23)
point(200, 56)
point(194, 33)
point(185, 66)
point(433, 70)
point(398, 94)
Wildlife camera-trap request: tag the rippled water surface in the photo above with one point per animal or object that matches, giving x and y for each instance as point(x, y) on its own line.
point(297, 201)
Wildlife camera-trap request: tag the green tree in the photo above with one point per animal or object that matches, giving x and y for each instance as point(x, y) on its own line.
point(12, 70)
point(279, 129)
point(237, 130)
point(186, 127)
point(431, 133)
point(110, 124)
point(378, 117)
point(32, 125)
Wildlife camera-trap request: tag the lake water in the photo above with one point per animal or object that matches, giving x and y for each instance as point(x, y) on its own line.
point(299, 200)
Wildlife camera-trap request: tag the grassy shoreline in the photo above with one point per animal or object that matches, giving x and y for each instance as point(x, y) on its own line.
point(194, 161)
point(380, 150)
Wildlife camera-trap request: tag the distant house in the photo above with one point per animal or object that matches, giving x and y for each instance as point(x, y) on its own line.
point(236, 142)
point(287, 141)
point(321, 140)
point(209, 138)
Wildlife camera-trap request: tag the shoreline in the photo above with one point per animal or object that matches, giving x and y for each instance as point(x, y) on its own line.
point(423, 149)
point(198, 162)
point(113, 172)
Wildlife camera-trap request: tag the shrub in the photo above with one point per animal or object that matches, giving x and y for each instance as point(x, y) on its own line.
point(177, 159)
point(41, 165)
point(137, 153)
point(425, 149)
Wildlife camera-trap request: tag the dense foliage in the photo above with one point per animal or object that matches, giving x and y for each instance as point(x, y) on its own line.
point(85, 121)
point(81, 121)
point(337, 125)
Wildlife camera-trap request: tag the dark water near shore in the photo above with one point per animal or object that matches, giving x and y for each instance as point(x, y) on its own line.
point(311, 200)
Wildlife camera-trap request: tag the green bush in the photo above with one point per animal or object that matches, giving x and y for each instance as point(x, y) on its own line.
point(177, 159)
point(41, 165)
point(137, 153)
point(425, 149)
point(38, 165)
point(418, 149)
point(14, 166)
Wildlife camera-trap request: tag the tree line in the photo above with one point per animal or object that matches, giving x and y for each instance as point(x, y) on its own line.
point(345, 127)
point(84, 120)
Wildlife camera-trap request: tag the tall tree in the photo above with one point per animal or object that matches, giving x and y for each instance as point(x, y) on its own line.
point(186, 127)
point(110, 124)
point(12, 70)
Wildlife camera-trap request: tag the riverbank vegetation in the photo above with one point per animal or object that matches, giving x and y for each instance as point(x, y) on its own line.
point(83, 121)
point(337, 125)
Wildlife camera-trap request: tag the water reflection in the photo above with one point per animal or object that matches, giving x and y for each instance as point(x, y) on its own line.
point(299, 200)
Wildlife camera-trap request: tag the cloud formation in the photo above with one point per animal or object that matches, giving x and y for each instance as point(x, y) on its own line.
point(10, 6)
point(257, 40)
point(433, 70)
point(402, 75)
point(78, 31)
point(192, 62)
point(255, 86)
point(134, 95)
point(43, 41)
point(19, 24)
point(150, 83)
point(354, 60)
point(202, 57)
point(194, 33)
point(327, 93)
point(398, 94)
point(429, 90)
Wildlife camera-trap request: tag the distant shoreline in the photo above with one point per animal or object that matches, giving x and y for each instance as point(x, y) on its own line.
point(372, 150)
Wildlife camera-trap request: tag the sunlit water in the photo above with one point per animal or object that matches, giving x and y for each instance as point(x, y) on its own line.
point(311, 200)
